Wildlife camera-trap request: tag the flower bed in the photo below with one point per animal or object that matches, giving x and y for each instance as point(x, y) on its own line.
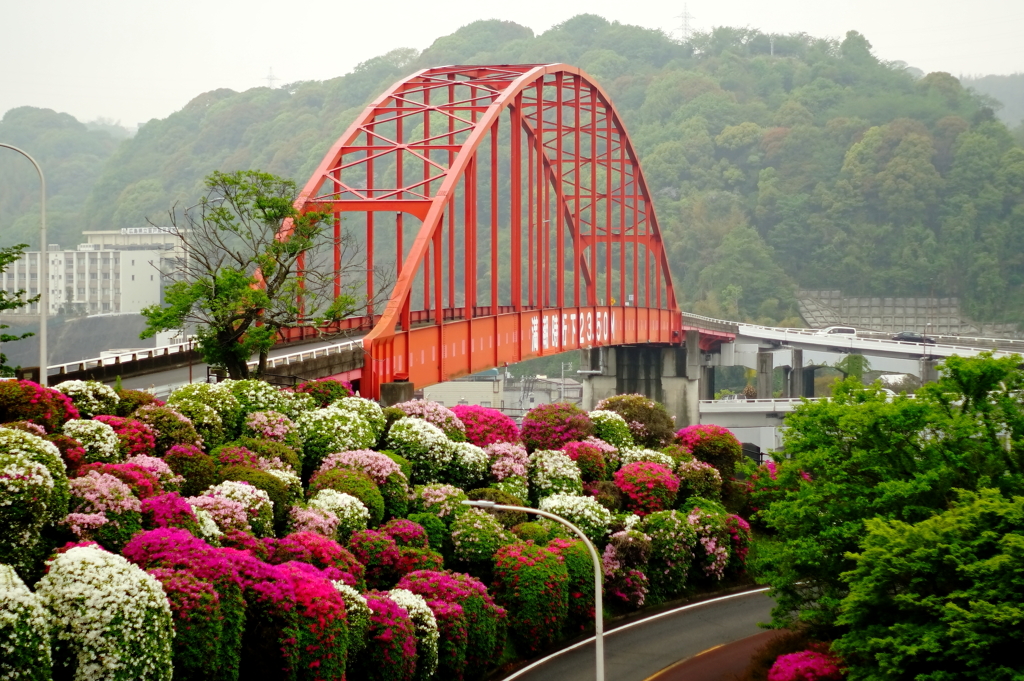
point(551, 426)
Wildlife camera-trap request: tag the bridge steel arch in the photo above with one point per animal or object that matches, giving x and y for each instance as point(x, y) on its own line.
point(522, 223)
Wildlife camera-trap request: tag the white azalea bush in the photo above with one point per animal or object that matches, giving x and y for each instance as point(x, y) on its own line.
point(253, 395)
point(205, 419)
point(469, 466)
point(424, 445)
point(217, 396)
point(110, 619)
point(369, 410)
point(98, 439)
point(444, 501)
point(477, 535)
point(43, 452)
point(24, 631)
point(552, 472)
point(612, 428)
point(635, 454)
point(91, 398)
point(329, 430)
point(426, 630)
point(583, 512)
point(358, 614)
point(516, 485)
point(436, 414)
point(256, 505)
point(209, 531)
point(351, 513)
point(26, 490)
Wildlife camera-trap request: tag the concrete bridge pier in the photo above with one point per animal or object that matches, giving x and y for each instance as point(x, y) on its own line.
point(670, 375)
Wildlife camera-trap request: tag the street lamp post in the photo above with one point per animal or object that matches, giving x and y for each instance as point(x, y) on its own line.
point(44, 266)
point(598, 573)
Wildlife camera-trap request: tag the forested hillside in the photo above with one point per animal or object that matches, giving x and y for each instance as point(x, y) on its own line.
point(810, 163)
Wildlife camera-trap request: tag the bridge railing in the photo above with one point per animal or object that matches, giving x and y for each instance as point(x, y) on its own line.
point(307, 355)
point(118, 358)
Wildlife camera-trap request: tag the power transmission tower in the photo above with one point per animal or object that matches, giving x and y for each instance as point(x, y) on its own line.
point(271, 78)
point(684, 26)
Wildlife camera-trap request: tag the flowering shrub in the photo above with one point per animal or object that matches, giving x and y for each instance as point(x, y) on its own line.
point(254, 395)
point(312, 519)
point(28, 401)
point(204, 418)
point(100, 494)
point(606, 493)
point(437, 531)
point(142, 482)
point(273, 426)
point(24, 631)
point(390, 652)
point(454, 639)
point(234, 455)
point(469, 465)
point(583, 512)
point(334, 560)
point(476, 536)
point(216, 396)
point(358, 614)
point(673, 539)
point(134, 437)
point(507, 459)
point(169, 480)
point(649, 423)
point(272, 454)
point(277, 491)
point(806, 665)
point(130, 400)
point(550, 426)
point(444, 501)
point(324, 391)
point(426, 630)
point(313, 636)
point(740, 538)
point(368, 410)
point(378, 466)
point(612, 458)
point(713, 540)
point(71, 450)
point(436, 414)
point(485, 426)
point(612, 428)
point(256, 505)
point(424, 445)
point(514, 485)
point(406, 533)
point(42, 452)
point(698, 479)
point(532, 584)
point(26, 496)
point(98, 439)
point(580, 568)
point(412, 559)
point(714, 445)
point(198, 621)
point(356, 483)
point(378, 553)
point(168, 510)
point(649, 487)
point(329, 430)
point(635, 454)
point(91, 398)
point(508, 519)
point(552, 472)
point(171, 427)
point(349, 512)
point(111, 620)
point(485, 621)
point(588, 458)
point(196, 468)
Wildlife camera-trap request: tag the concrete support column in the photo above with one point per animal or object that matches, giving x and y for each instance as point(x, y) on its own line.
point(597, 386)
point(796, 374)
point(929, 370)
point(808, 381)
point(764, 374)
point(707, 383)
point(680, 385)
point(393, 393)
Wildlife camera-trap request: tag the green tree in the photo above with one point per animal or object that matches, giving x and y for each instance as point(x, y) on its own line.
point(11, 301)
point(939, 599)
point(860, 456)
point(239, 283)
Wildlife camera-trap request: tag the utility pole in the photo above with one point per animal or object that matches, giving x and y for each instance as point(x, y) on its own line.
point(771, 43)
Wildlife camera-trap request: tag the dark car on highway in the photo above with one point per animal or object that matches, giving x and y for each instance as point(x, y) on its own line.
point(912, 337)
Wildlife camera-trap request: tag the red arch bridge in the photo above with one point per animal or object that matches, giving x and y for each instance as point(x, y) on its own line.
point(511, 204)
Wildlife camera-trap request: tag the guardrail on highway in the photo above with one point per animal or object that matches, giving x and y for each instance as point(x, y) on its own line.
point(306, 355)
point(120, 358)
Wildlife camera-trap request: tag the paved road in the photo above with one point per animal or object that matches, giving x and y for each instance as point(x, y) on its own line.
point(639, 650)
point(723, 663)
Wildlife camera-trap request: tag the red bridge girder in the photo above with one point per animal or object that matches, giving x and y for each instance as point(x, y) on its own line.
point(534, 230)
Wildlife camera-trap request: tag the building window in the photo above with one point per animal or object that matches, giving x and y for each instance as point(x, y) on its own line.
point(106, 275)
point(81, 290)
point(93, 275)
point(485, 404)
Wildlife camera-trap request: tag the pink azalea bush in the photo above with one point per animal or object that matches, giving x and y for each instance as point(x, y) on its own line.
point(806, 665)
point(551, 426)
point(485, 426)
point(437, 415)
point(713, 541)
point(134, 437)
point(648, 487)
point(100, 494)
point(390, 652)
point(28, 401)
point(168, 510)
point(312, 519)
point(507, 459)
point(589, 458)
point(378, 466)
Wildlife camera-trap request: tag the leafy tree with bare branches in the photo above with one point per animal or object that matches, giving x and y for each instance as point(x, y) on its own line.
point(239, 282)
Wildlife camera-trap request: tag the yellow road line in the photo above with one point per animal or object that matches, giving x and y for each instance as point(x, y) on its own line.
point(658, 673)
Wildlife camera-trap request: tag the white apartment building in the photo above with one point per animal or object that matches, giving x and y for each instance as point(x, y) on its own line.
point(89, 280)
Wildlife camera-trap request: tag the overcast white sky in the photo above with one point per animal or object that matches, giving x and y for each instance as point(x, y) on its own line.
point(132, 60)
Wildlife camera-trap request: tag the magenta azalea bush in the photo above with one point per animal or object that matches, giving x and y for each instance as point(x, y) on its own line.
point(485, 426)
point(551, 426)
point(134, 437)
point(648, 487)
point(806, 665)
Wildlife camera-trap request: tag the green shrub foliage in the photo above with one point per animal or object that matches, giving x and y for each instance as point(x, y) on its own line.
point(532, 583)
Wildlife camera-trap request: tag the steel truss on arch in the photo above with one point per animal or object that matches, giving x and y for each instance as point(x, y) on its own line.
point(513, 205)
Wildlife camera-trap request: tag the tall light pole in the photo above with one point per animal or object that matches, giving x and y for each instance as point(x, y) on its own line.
point(598, 574)
point(44, 265)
